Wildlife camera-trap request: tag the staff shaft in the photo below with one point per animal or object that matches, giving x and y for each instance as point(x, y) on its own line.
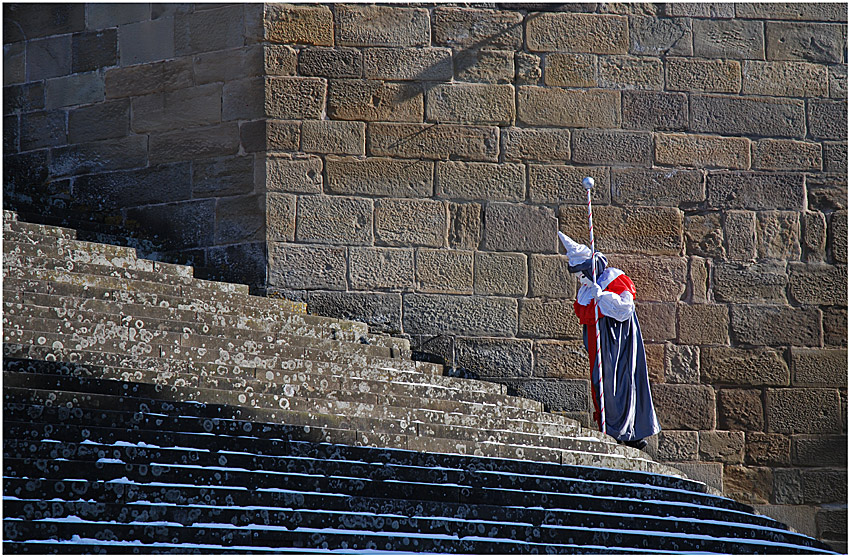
point(598, 359)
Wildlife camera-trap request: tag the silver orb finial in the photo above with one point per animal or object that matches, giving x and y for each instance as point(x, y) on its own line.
point(588, 183)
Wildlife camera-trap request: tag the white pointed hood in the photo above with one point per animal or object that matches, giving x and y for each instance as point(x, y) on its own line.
point(578, 253)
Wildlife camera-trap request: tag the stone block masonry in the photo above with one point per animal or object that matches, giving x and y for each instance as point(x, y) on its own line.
point(409, 166)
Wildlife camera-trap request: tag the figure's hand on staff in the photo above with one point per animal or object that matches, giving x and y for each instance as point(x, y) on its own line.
point(595, 290)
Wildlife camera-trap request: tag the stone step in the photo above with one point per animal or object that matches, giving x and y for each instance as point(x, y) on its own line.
point(9, 215)
point(32, 229)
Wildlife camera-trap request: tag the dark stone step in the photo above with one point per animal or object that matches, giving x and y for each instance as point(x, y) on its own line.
point(96, 547)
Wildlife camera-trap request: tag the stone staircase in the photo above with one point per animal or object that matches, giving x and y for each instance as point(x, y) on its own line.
point(149, 409)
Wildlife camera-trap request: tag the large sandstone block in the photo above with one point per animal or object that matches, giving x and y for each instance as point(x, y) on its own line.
point(681, 364)
point(46, 128)
point(298, 24)
point(217, 28)
point(813, 237)
point(561, 359)
point(30, 21)
point(48, 57)
point(785, 79)
point(179, 226)
point(791, 11)
point(656, 279)
point(778, 234)
point(630, 72)
point(776, 325)
point(755, 190)
point(740, 409)
point(768, 449)
point(334, 220)
point(657, 36)
point(536, 144)
point(193, 106)
point(119, 154)
point(382, 311)
point(749, 484)
point(484, 66)
point(612, 147)
point(460, 315)
point(329, 136)
point(740, 230)
point(553, 183)
point(722, 446)
point(381, 268)
point(759, 116)
point(470, 103)
point(707, 76)
point(106, 120)
point(702, 151)
point(291, 175)
point(571, 70)
point(26, 97)
point(689, 407)
point(143, 79)
point(592, 33)
point(295, 98)
point(222, 177)
point(73, 90)
point(462, 28)
point(307, 267)
point(240, 219)
point(549, 277)
point(703, 324)
point(444, 271)
point(280, 217)
point(111, 190)
point(677, 446)
point(238, 63)
point(826, 119)
point(643, 230)
point(803, 411)
point(500, 274)
point(838, 236)
point(377, 25)
point(408, 64)
point(698, 280)
point(818, 367)
point(465, 225)
point(480, 181)
point(835, 326)
point(786, 154)
point(570, 108)
point(741, 366)
point(243, 99)
point(520, 228)
point(407, 222)
point(635, 186)
point(493, 357)
point(429, 141)
point(374, 176)
point(819, 450)
point(372, 100)
point(704, 234)
point(729, 38)
point(339, 62)
point(270, 135)
point(823, 285)
point(761, 283)
point(827, 192)
point(550, 319)
point(794, 41)
point(653, 110)
point(570, 395)
point(834, 157)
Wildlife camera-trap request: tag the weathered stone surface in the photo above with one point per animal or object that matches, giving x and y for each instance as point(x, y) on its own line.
point(768, 449)
point(809, 42)
point(528, 70)
point(189, 107)
point(784, 154)
point(240, 63)
point(827, 192)
point(221, 177)
point(748, 484)
point(182, 225)
point(592, 33)
point(761, 283)
point(408, 64)
point(556, 396)
point(703, 324)
point(818, 367)
point(294, 98)
point(465, 225)
point(43, 129)
point(329, 136)
point(819, 450)
point(656, 231)
point(652, 110)
point(298, 24)
point(722, 446)
point(280, 217)
point(756, 191)
point(113, 190)
point(30, 21)
point(149, 78)
point(26, 97)
point(429, 141)
point(147, 41)
point(612, 147)
point(571, 70)
point(331, 62)
point(444, 271)
point(719, 10)
point(776, 325)
point(520, 228)
point(49, 57)
point(702, 151)
point(826, 119)
point(106, 120)
point(484, 66)
point(655, 362)
point(270, 135)
point(709, 473)
point(372, 100)
point(660, 36)
point(658, 321)
point(407, 222)
point(243, 99)
point(778, 235)
point(632, 186)
point(14, 63)
point(549, 319)
point(500, 274)
point(708, 76)
point(740, 230)
point(656, 279)
point(818, 284)
point(292, 175)
point(376, 25)
point(549, 277)
point(784, 79)
point(491, 357)
point(75, 89)
point(334, 220)
point(559, 184)
point(838, 236)
point(381, 268)
point(684, 406)
point(477, 180)
point(217, 28)
point(561, 359)
point(470, 103)
point(11, 134)
point(740, 409)
point(803, 411)
point(832, 526)
point(792, 11)
point(813, 238)
point(704, 234)
point(759, 116)
point(741, 39)
point(536, 144)
point(681, 364)
point(240, 219)
point(736, 366)
point(463, 315)
point(308, 267)
point(103, 156)
point(381, 311)
point(463, 28)
point(94, 50)
point(593, 108)
point(794, 486)
point(379, 177)
point(834, 157)
point(629, 72)
point(835, 326)
point(677, 446)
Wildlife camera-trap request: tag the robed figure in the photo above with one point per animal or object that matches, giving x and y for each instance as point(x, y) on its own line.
point(629, 412)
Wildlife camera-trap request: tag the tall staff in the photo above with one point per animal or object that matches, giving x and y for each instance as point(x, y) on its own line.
point(588, 184)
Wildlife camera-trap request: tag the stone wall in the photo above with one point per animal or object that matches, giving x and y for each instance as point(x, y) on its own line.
point(410, 165)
